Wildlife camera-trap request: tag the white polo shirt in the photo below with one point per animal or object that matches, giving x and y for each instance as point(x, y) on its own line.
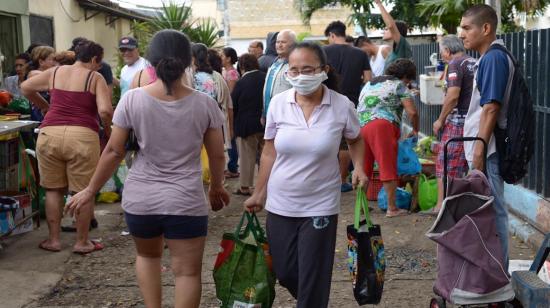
point(305, 179)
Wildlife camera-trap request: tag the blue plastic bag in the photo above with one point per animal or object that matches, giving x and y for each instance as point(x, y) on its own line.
point(402, 199)
point(407, 160)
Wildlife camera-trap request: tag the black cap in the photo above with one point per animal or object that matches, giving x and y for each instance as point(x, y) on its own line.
point(128, 42)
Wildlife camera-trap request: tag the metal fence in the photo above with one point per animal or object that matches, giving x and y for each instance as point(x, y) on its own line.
point(531, 49)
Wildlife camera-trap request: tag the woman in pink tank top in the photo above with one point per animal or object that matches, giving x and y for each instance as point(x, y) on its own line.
point(68, 144)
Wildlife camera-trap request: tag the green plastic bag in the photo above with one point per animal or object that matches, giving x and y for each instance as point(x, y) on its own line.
point(427, 193)
point(243, 273)
point(20, 105)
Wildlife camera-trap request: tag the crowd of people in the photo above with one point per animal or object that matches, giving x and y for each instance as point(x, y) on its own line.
point(302, 114)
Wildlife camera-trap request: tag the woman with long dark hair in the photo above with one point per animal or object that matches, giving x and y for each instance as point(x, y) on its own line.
point(230, 74)
point(163, 198)
point(299, 174)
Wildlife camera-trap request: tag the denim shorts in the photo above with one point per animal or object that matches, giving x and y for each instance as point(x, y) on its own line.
point(172, 227)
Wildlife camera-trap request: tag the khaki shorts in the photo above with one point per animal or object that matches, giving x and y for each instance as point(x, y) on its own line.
point(67, 156)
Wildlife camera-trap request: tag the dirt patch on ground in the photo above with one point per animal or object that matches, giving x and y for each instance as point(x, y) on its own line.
point(107, 279)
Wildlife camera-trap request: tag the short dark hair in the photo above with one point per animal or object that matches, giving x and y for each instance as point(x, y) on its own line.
point(402, 27)
point(170, 53)
point(215, 60)
point(248, 62)
point(200, 53)
point(332, 81)
point(77, 40)
point(402, 68)
point(361, 40)
point(259, 44)
point(85, 51)
point(231, 54)
point(23, 56)
point(482, 14)
point(349, 39)
point(337, 28)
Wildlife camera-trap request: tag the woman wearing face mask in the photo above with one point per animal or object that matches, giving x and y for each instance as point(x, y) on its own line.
point(299, 174)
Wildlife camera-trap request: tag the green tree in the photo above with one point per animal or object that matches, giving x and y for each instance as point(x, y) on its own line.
point(444, 13)
point(447, 13)
point(361, 12)
point(423, 13)
point(178, 17)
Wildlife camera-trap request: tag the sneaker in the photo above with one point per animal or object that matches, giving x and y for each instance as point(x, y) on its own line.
point(345, 187)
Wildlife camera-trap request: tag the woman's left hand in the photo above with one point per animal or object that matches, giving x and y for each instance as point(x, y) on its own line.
point(79, 202)
point(218, 197)
point(359, 178)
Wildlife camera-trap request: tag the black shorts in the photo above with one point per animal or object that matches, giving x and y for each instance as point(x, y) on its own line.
point(172, 227)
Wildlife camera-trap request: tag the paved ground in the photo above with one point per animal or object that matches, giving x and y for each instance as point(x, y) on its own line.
point(32, 278)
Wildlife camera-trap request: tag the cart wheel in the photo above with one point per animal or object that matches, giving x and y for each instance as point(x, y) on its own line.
point(437, 302)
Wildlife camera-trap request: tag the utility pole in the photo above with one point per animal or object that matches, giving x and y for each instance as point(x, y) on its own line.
point(495, 4)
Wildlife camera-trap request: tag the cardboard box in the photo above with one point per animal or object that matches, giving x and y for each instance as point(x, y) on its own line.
point(8, 220)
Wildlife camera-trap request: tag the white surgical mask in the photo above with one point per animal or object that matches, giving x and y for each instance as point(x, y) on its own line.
point(307, 84)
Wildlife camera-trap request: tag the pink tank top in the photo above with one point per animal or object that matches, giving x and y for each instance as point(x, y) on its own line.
point(150, 71)
point(72, 108)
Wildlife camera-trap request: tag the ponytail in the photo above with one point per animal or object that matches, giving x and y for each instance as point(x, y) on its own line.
point(169, 70)
point(170, 54)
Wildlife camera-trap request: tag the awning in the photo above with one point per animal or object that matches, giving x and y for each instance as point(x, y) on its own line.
point(112, 9)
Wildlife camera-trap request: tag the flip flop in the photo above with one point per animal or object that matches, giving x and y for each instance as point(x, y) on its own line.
point(97, 246)
point(241, 193)
point(397, 213)
point(43, 246)
point(231, 175)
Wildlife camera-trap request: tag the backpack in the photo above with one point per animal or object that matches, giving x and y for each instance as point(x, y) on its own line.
point(515, 144)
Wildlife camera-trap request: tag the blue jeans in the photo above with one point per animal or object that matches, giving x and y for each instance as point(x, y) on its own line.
point(233, 164)
point(497, 187)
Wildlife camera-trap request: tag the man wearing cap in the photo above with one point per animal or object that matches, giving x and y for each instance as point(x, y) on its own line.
point(128, 47)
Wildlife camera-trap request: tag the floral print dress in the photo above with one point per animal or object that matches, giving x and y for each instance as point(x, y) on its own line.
point(204, 82)
point(381, 98)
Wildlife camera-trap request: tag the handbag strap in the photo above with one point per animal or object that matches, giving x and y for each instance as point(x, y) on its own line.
point(361, 203)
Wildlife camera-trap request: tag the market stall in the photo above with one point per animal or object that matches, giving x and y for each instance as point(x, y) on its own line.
point(19, 201)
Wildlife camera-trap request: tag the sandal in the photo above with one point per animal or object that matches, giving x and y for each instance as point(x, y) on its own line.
point(97, 246)
point(43, 246)
point(240, 192)
point(231, 175)
point(397, 213)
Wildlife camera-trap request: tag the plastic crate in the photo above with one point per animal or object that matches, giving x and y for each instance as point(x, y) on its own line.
point(9, 152)
point(9, 178)
point(375, 185)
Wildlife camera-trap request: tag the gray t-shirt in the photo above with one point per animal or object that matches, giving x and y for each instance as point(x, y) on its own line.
point(165, 178)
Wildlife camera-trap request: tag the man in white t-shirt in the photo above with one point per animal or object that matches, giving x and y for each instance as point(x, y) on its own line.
point(128, 47)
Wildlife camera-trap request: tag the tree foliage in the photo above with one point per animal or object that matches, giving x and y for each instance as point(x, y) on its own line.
point(178, 17)
point(423, 13)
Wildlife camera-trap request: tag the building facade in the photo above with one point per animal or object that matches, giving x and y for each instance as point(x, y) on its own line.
point(57, 22)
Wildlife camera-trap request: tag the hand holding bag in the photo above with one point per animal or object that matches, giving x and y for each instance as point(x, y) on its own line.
point(242, 273)
point(366, 258)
